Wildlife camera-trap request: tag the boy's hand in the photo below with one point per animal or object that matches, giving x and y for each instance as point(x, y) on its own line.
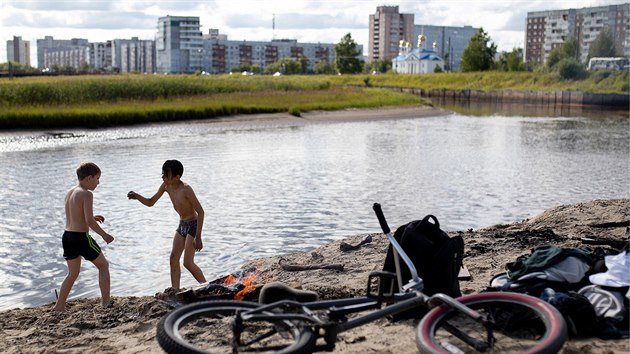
point(109, 238)
point(99, 218)
point(132, 195)
point(198, 243)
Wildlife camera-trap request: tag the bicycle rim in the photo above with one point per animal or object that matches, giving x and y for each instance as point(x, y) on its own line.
point(207, 327)
point(521, 324)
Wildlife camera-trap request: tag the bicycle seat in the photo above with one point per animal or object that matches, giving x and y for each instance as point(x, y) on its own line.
point(276, 291)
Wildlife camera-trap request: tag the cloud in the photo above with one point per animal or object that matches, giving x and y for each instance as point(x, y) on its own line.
point(294, 21)
point(323, 21)
point(87, 20)
point(64, 5)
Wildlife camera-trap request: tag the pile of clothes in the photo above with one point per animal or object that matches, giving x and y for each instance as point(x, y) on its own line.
point(590, 288)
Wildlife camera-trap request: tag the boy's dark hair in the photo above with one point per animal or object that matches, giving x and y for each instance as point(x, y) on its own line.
point(174, 167)
point(87, 169)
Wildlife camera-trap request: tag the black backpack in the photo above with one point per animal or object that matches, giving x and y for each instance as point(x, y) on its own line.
point(436, 256)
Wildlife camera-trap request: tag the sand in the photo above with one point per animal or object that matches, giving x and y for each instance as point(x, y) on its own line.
point(130, 325)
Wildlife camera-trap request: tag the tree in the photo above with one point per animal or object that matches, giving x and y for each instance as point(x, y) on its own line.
point(568, 50)
point(571, 69)
point(603, 45)
point(285, 66)
point(380, 66)
point(347, 56)
point(324, 68)
point(511, 61)
point(304, 64)
point(479, 54)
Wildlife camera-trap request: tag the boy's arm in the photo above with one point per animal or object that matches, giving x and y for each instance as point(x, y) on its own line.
point(148, 201)
point(200, 216)
point(88, 213)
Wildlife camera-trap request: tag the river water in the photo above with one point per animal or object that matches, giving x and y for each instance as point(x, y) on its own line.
point(283, 187)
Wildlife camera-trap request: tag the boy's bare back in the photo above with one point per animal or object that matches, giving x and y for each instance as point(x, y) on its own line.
point(74, 204)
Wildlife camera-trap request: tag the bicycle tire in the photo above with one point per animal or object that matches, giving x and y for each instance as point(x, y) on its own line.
point(206, 327)
point(522, 324)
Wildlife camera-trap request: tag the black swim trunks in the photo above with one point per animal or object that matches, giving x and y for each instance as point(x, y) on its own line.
point(77, 244)
point(187, 227)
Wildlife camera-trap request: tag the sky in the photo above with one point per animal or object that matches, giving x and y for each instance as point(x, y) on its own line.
point(307, 21)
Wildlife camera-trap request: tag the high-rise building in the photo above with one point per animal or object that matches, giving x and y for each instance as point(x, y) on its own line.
point(62, 52)
point(546, 30)
point(101, 56)
point(448, 42)
point(19, 51)
point(387, 28)
point(133, 55)
point(178, 44)
point(220, 55)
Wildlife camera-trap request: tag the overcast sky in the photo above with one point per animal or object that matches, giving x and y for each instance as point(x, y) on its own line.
point(325, 21)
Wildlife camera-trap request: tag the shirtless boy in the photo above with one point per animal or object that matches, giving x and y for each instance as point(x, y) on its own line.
point(188, 234)
point(76, 239)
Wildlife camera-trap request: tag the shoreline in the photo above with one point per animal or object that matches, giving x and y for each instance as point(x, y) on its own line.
point(265, 119)
point(130, 325)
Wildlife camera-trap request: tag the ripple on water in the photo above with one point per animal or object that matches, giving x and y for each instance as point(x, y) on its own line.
point(276, 189)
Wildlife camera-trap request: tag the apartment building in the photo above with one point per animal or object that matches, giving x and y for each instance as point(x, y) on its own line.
point(101, 56)
point(182, 48)
point(62, 52)
point(447, 41)
point(133, 55)
point(387, 28)
point(220, 55)
point(546, 30)
point(179, 45)
point(19, 51)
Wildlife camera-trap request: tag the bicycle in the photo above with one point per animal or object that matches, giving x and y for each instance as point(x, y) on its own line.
point(495, 322)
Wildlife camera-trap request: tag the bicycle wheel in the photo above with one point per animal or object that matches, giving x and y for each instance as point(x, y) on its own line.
point(207, 327)
point(520, 323)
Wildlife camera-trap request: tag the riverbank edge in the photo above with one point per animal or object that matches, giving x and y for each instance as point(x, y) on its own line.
point(263, 119)
point(546, 98)
point(130, 325)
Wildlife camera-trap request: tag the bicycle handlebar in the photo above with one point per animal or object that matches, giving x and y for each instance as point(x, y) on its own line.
point(381, 218)
point(415, 282)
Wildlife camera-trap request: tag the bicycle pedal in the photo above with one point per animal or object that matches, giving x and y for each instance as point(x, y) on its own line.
point(382, 286)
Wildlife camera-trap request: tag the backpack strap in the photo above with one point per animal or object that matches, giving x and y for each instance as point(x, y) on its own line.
point(435, 220)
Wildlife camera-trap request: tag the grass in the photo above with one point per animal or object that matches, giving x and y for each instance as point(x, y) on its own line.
point(597, 82)
point(43, 102)
point(126, 112)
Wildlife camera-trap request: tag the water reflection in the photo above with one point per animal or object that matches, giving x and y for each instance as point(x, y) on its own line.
point(488, 109)
point(276, 188)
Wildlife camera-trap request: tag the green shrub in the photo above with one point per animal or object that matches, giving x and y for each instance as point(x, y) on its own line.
point(600, 75)
point(571, 69)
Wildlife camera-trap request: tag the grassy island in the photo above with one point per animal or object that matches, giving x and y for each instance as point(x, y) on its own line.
point(108, 100)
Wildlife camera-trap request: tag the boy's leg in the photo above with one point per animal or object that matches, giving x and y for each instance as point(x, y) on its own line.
point(189, 260)
point(74, 267)
point(103, 278)
point(176, 254)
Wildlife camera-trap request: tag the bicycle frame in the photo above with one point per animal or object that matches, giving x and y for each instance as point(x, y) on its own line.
point(308, 323)
point(409, 296)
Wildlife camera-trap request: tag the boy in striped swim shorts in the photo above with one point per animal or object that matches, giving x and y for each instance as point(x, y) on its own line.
point(187, 238)
point(76, 239)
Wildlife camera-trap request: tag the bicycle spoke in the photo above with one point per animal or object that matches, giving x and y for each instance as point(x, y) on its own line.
point(513, 330)
point(217, 327)
point(514, 323)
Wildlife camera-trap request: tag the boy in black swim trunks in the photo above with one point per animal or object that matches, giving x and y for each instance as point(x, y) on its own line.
point(76, 239)
point(187, 238)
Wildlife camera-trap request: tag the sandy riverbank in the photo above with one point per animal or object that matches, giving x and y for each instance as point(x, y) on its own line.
point(257, 120)
point(129, 327)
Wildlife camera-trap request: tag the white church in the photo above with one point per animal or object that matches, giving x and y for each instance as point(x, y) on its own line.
point(416, 61)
